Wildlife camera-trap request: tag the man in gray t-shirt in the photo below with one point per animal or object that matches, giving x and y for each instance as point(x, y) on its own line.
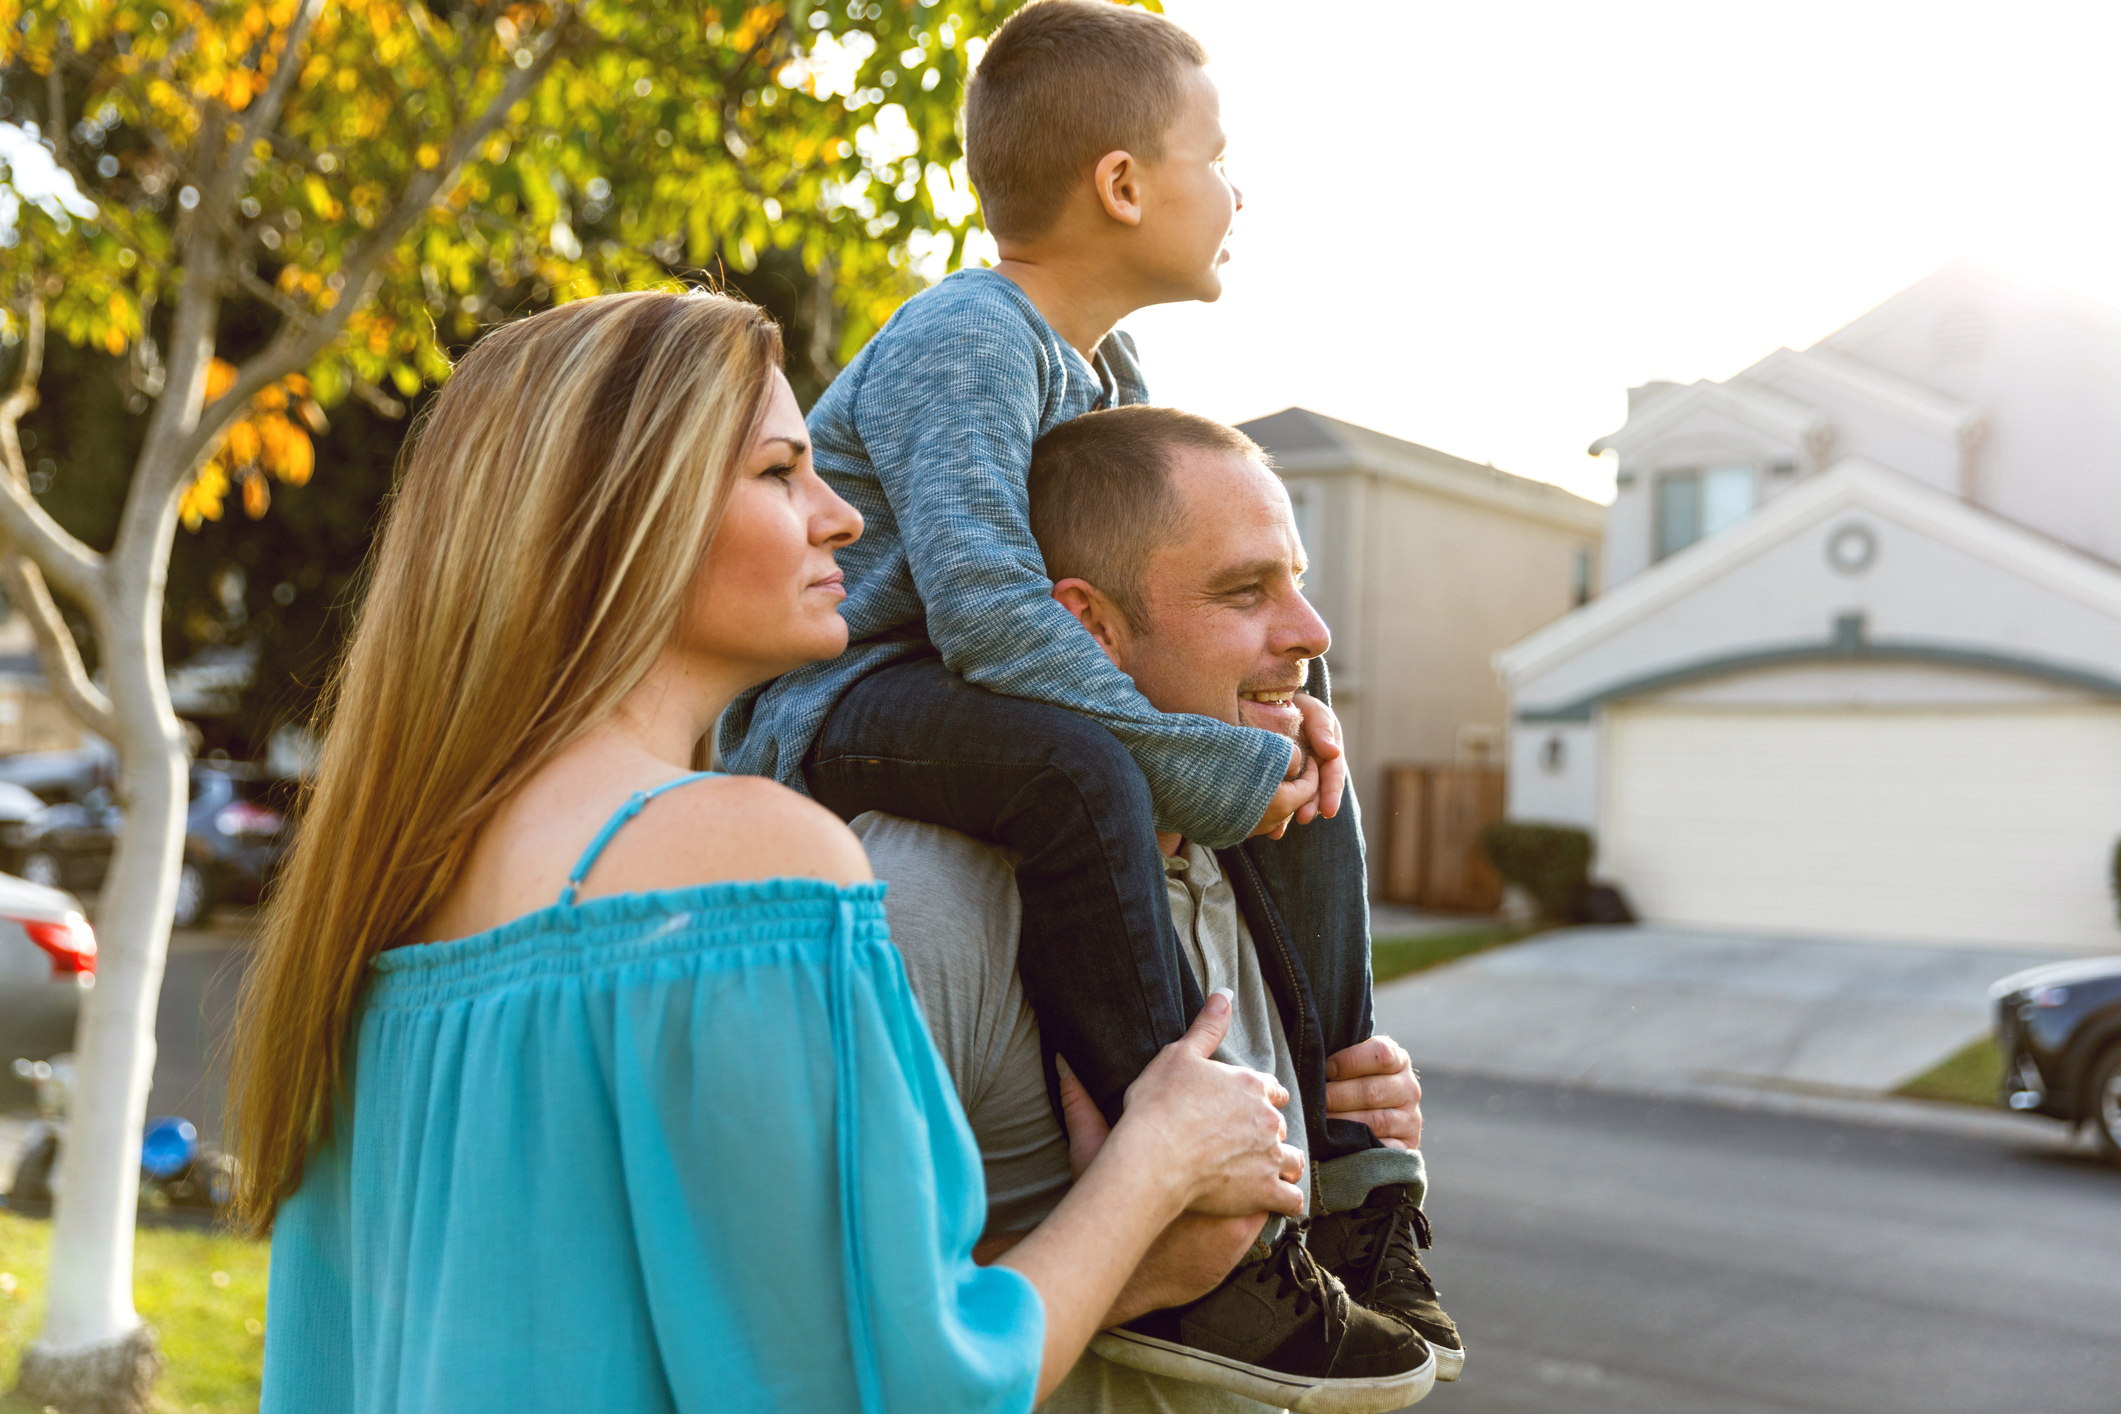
point(954, 916)
point(1198, 600)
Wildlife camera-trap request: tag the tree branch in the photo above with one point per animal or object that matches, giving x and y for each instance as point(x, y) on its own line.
point(56, 649)
point(55, 112)
point(264, 113)
point(376, 398)
point(418, 15)
point(296, 346)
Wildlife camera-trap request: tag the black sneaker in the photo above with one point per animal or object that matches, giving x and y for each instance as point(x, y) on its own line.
point(1372, 1249)
point(1282, 1331)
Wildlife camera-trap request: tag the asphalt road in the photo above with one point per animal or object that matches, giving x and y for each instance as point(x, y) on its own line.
point(199, 988)
point(1614, 1254)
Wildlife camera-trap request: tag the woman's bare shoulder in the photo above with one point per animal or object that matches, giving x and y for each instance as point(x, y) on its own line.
point(728, 828)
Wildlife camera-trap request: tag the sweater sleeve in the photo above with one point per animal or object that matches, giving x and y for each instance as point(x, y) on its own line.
point(949, 425)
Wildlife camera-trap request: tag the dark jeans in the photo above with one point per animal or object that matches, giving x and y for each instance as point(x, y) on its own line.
point(1099, 959)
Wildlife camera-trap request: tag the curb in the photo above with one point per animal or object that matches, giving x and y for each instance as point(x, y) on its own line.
point(1880, 1111)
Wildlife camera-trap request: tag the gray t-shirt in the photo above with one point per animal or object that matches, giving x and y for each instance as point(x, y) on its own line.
point(955, 916)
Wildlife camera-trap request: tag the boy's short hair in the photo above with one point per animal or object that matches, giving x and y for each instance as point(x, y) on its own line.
point(1102, 501)
point(1063, 83)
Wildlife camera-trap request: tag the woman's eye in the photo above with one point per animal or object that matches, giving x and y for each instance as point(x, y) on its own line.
point(781, 473)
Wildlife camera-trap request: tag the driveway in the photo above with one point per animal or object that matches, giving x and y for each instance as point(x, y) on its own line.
point(1620, 1007)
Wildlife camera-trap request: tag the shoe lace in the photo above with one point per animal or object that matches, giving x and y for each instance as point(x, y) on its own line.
point(1401, 1229)
point(1293, 1270)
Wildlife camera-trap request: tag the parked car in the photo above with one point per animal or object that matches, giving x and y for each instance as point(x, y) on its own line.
point(235, 831)
point(2059, 1027)
point(58, 776)
point(47, 961)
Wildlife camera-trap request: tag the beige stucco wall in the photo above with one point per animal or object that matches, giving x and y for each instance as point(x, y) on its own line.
point(31, 719)
point(1421, 589)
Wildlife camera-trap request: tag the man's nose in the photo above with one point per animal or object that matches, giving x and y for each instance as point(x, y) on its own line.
point(1303, 633)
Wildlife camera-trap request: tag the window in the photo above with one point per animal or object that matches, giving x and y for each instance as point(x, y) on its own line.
point(1693, 504)
point(1726, 497)
point(1580, 578)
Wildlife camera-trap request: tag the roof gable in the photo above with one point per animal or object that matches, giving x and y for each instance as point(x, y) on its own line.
point(1851, 484)
point(1301, 441)
point(1756, 408)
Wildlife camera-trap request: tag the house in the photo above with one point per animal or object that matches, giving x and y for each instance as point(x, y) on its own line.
point(31, 716)
point(1857, 665)
point(1424, 565)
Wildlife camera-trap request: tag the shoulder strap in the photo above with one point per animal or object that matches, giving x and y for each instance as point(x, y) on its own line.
point(611, 827)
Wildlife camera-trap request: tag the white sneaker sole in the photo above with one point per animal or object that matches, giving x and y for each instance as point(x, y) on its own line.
point(1450, 1364)
point(1375, 1395)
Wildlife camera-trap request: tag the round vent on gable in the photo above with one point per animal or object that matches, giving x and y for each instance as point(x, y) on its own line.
point(1851, 548)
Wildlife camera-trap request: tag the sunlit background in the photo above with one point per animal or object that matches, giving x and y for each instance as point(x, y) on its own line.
point(1475, 225)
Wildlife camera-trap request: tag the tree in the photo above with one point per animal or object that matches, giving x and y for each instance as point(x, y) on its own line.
point(266, 208)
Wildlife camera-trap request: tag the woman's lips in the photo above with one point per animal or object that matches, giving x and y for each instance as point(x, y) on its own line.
point(837, 583)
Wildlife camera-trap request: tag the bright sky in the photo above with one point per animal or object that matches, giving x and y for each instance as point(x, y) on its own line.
point(1474, 225)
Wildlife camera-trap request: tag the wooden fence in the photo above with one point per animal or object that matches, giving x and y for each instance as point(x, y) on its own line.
point(1432, 837)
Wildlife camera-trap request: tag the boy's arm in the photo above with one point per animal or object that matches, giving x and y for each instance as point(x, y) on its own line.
point(949, 432)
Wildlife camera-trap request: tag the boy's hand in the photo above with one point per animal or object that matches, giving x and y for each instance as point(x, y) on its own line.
point(1297, 790)
point(1374, 1083)
point(1322, 735)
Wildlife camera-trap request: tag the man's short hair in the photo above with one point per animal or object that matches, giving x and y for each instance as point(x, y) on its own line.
point(1102, 501)
point(1063, 83)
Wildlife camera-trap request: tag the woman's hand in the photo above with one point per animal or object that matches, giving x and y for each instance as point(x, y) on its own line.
point(1219, 1127)
point(1196, 1134)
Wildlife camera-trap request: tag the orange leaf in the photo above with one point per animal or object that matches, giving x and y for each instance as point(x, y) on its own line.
point(220, 377)
point(243, 443)
point(257, 496)
point(298, 458)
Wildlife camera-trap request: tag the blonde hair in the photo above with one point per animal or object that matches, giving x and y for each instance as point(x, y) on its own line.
point(534, 561)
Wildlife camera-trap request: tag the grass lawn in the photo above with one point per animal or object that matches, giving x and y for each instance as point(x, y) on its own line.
point(203, 1292)
point(1972, 1077)
point(1396, 957)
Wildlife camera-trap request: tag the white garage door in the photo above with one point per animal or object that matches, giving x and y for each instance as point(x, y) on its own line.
point(1976, 826)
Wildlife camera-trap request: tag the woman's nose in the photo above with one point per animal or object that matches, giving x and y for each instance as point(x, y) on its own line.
point(835, 523)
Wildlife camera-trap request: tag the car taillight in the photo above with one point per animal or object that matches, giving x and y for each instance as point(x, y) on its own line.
point(72, 944)
point(244, 818)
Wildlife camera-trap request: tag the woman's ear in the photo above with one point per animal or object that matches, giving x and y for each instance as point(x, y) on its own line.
point(1096, 613)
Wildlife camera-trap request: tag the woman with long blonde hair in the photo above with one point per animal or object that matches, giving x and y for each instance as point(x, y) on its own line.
point(571, 1078)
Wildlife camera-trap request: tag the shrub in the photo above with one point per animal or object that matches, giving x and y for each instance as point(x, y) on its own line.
point(1552, 863)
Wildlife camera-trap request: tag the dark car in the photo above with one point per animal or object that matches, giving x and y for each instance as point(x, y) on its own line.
point(2059, 1027)
point(235, 831)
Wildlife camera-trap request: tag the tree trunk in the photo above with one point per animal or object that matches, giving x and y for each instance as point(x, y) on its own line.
point(95, 1356)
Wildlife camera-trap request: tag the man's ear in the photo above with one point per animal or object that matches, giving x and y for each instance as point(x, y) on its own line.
point(1096, 613)
point(1119, 182)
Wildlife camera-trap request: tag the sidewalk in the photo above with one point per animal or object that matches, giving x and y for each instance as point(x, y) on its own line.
point(1649, 1007)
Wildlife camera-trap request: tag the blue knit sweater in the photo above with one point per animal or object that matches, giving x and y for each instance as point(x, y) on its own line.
point(928, 433)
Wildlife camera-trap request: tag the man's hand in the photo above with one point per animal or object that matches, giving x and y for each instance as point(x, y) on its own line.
point(1298, 790)
point(1374, 1083)
point(1322, 735)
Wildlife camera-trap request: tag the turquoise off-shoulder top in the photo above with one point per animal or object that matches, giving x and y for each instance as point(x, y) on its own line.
point(684, 1150)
